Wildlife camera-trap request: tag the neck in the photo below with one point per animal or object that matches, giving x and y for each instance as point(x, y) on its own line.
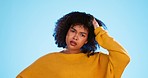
point(68, 51)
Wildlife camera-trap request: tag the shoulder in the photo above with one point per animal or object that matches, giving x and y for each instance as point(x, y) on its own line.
point(103, 58)
point(40, 64)
point(101, 55)
point(50, 55)
point(47, 57)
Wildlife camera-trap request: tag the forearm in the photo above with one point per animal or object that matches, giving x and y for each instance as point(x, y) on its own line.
point(107, 42)
point(118, 57)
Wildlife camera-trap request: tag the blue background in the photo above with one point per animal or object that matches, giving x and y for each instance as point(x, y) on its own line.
point(26, 28)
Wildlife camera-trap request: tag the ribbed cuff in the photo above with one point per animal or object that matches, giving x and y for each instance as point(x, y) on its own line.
point(97, 30)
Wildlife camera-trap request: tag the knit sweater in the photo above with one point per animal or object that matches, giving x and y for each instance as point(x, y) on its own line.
point(99, 65)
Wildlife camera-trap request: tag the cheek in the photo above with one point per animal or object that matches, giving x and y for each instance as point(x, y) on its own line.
point(68, 37)
point(83, 41)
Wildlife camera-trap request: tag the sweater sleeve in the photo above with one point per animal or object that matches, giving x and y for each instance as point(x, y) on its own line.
point(118, 57)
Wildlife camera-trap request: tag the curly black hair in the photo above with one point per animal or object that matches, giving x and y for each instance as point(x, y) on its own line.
point(72, 19)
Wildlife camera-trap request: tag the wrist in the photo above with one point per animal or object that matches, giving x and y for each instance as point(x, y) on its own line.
point(95, 27)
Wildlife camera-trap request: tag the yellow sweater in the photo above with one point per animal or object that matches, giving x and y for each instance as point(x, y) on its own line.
point(100, 65)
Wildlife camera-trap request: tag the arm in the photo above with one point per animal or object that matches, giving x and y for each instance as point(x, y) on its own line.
point(118, 57)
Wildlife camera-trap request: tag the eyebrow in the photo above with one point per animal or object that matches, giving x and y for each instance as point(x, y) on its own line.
point(76, 30)
point(83, 32)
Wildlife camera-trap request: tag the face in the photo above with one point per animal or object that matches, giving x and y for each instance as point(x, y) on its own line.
point(76, 37)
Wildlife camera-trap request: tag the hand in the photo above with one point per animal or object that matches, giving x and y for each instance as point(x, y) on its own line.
point(95, 24)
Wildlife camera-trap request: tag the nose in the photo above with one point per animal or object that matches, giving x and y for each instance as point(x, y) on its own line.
point(75, 37)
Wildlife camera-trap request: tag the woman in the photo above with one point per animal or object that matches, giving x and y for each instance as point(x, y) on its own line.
point(80, 33)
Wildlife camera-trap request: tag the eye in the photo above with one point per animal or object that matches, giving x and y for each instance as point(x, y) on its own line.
point(72, 30)
point(82, 35)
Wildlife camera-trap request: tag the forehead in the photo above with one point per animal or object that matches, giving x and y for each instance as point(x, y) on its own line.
point(80, 27)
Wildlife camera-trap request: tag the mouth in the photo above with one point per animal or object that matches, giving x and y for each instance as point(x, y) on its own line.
point(73, 43)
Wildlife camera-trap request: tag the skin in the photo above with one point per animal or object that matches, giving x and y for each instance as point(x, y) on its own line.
point(95, 24)
point(76, 37)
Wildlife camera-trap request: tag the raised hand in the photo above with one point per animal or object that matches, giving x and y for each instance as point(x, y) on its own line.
point(95, 24)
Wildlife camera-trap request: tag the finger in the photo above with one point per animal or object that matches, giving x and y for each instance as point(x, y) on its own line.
point(95, 23)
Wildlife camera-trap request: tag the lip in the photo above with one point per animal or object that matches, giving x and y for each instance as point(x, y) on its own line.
point(73, 43)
